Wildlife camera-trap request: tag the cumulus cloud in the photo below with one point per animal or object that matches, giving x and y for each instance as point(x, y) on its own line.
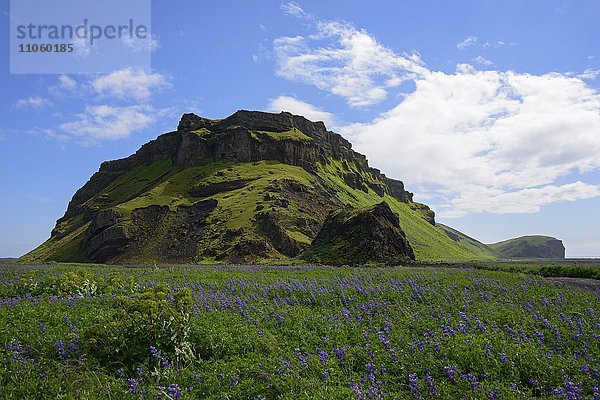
point(469, 41)
point(106, 122)
point(345, 61)
point(298, 107)
point(33, 102)
point(489, 141)
point(129, 83)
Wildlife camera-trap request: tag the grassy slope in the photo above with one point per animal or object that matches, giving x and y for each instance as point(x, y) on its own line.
point(164, 184)
point(475, 246)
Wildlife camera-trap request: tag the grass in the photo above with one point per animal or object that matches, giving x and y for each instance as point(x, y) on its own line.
point(292, 134)
point(293, 332)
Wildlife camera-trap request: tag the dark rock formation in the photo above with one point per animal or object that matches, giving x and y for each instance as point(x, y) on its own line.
point(104, 238)
point(360, 236)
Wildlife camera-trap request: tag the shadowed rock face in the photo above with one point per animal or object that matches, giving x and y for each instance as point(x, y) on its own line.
point(359, 236)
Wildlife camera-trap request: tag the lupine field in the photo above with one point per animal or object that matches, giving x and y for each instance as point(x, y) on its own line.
point(73, 332)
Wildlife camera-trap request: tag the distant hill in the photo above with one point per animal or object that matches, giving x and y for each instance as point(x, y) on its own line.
point(251, 188)
point(535, 246)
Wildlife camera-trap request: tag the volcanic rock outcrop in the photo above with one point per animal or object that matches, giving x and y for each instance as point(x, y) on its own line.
point(361, 236)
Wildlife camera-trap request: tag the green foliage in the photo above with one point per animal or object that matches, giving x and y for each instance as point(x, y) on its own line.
point(125, 336)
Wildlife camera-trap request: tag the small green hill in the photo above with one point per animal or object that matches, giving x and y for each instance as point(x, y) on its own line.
point(535, 246)
point(251, 188)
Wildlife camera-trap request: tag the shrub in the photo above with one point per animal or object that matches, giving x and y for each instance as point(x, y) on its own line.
point(151, 319)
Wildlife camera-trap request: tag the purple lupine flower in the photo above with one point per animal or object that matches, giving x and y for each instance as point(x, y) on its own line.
point(384, 340)
point(60, 349)
point(503, 358)
point(447, 331)
point(464, 317)
point(370, 367)
point(197, 379)
point(414, 385)
point(340, 353)
point(387, 326)
point(174, 391)
point(165, 363)
point(42, 327)
point(323, 356)
point(449, 369)
point(301, 357)
point(159, 393)
point(431, 386)
point(153, 352)
point(132, 386)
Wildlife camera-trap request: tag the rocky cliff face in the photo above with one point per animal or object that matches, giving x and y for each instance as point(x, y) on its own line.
point(246, 136)
point(252, 187)
point(360, 236)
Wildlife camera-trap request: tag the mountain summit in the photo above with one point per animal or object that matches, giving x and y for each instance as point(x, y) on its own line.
point(253, 187)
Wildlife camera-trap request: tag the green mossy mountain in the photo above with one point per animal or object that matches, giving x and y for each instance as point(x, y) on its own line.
point(535, 246)
point(251, 188)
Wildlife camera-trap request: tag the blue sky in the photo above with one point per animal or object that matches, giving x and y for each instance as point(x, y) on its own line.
point(488, 110)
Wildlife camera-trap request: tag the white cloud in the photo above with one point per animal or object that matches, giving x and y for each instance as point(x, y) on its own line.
point(298, 107)
point(498, 44)
point(346, 62)
point(66, 82)
point(148, 44)
point(589, 74)
point(295, 10)
point(81, 48)
point(482, 61)
point(106, 122)
point(33, 102)
point(489, 141)
point(469, 41)
point(129, 83)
